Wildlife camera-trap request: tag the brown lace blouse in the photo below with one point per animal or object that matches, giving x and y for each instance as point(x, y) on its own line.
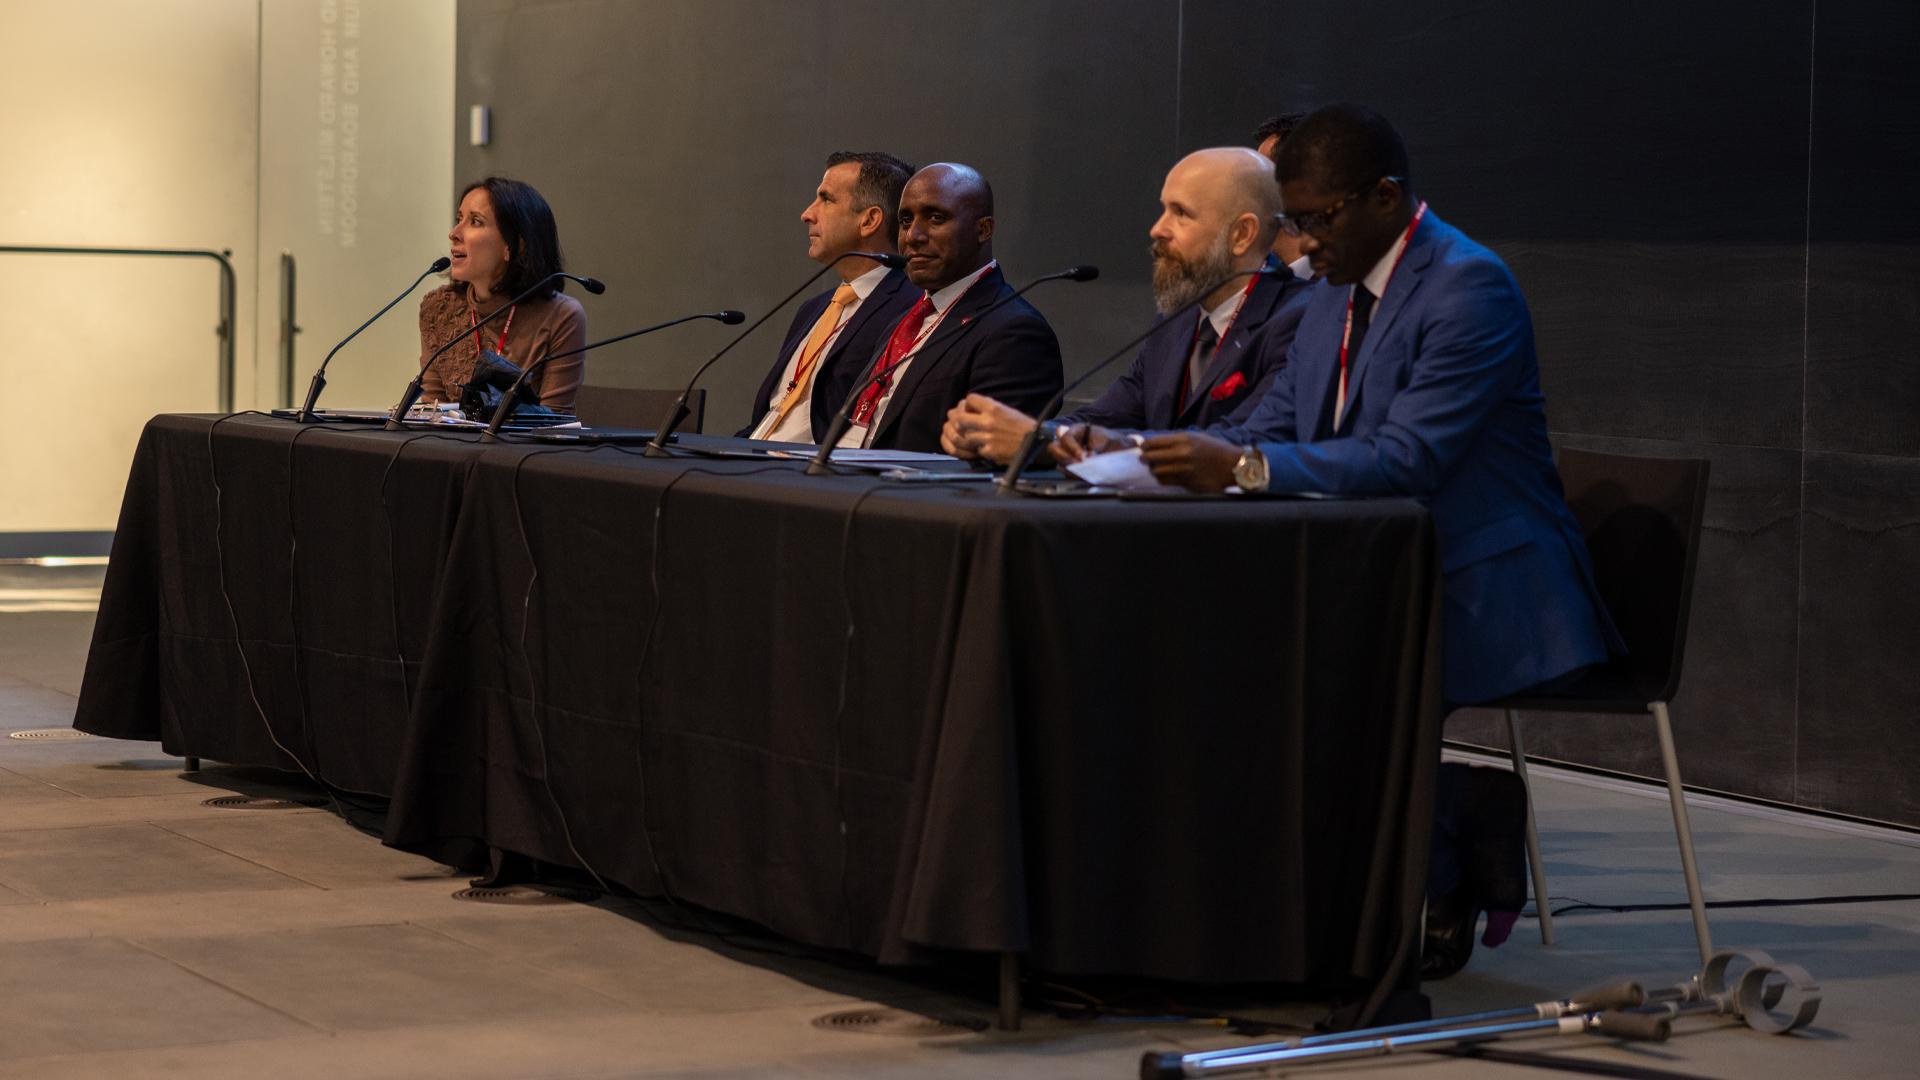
point(557, 323)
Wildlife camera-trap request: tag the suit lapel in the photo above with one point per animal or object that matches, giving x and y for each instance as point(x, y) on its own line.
point(934, 351)
point(1172, 345)
point(1318, 375)
point(771, 386)
point(1233, 351)
point(1401, 286)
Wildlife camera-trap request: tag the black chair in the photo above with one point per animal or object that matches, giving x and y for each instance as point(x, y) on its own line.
point(1641, 517)
point(620, 407)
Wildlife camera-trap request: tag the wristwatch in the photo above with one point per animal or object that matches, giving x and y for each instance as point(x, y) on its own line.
point(1250, 472)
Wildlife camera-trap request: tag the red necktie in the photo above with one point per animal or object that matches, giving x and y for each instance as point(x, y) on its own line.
point(905, 335)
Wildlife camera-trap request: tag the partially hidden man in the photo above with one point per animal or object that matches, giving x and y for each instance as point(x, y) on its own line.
point(835, 332)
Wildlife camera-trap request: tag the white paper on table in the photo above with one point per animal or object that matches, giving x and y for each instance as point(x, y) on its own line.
point(1118, 469)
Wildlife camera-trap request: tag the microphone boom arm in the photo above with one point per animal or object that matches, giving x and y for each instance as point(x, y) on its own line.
point(319, 383)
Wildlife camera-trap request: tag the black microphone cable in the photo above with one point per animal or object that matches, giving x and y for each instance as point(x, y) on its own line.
point(293, 629)
point(840, 707)
point(233, 618)
point(646, 650)
point(647, 640)
point(393, 558)
point(526, 661)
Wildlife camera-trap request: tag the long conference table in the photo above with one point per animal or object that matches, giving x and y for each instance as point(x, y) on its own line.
point(1190, 739)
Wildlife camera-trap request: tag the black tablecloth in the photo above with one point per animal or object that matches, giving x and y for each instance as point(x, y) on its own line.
point(1191, 739)
point(318, 549)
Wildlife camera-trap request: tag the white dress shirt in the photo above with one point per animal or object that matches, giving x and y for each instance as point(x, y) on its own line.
point(797, 426)
point(942, 301)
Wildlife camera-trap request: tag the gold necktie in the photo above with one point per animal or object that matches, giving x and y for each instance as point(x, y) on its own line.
point(810, 354)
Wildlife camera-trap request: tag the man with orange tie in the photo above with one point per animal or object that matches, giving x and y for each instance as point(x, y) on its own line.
point(835, 332)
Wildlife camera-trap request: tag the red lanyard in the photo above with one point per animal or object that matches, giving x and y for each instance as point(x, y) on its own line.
point(473, 319)
point(1405, 240)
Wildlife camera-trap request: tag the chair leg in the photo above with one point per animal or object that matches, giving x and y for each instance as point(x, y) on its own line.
point(1682, 829)
point(1534, 862)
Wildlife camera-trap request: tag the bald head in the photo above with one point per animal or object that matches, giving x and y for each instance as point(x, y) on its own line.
point(1220, 209)
point(946, 224)
point(1233, 180)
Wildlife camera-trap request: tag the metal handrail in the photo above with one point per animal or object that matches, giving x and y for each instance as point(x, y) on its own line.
point(225, 330)
point(289, 326)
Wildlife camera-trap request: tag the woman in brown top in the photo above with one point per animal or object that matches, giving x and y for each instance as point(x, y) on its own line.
point(503, 240)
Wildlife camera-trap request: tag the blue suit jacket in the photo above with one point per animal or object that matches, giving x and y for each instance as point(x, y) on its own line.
point(857, 341)
point(1147, 395)
point(1445, 405)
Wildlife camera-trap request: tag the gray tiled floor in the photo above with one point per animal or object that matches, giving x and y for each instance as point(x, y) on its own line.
point(144, 933)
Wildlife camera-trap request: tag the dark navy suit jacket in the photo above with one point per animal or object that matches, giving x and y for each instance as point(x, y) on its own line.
point(1445, 405)
point(1147, 395)
point(1010, 355)
point(880, 310)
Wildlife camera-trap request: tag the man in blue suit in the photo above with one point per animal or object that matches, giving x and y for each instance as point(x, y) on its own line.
point(1413, 373)
point(1224, 328)
point(832, 334)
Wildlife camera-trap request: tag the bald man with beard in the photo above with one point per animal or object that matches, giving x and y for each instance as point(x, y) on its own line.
point(1220, 210)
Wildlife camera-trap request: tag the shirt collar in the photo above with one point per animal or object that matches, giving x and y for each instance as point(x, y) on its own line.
point(864, 285)
point(1302, 268)
point(1221, 315)
point(1376, 279)
point(947, 295)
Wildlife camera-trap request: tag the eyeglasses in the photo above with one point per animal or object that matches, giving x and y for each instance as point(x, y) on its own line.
point(1317, 223)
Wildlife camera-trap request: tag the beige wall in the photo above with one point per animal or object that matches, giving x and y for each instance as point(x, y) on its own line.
point(129, 123)
point(356, 180)
point(140, 124)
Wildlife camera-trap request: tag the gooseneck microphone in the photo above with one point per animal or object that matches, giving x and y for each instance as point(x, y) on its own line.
point(511, 399)
point(1004, 483)
point(843, 418)
point(412, 392)
point(319, 383)
point(657, 446)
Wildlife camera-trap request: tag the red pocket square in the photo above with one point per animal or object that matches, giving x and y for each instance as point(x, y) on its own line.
point(1229, 386)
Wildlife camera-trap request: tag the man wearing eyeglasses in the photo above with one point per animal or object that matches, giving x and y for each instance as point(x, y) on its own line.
point(1413, 374)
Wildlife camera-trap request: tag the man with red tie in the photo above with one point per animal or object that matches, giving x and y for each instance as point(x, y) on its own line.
point(958, 338)
point(1225, 331)
point(835, 332)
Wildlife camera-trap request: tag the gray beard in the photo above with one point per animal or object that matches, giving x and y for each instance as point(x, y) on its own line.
point(1177, 284)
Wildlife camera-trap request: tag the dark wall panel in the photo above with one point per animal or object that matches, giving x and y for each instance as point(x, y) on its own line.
point(1706, 208)
point(1863, 318)
point(680, 142)
point(1859, 637)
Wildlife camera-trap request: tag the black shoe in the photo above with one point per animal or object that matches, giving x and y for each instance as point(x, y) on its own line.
point(1449, 940)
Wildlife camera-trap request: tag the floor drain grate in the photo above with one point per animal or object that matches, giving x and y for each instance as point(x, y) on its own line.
point(256, 802)
point(523, 894)
point(51, 734)
point(896, 1022)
